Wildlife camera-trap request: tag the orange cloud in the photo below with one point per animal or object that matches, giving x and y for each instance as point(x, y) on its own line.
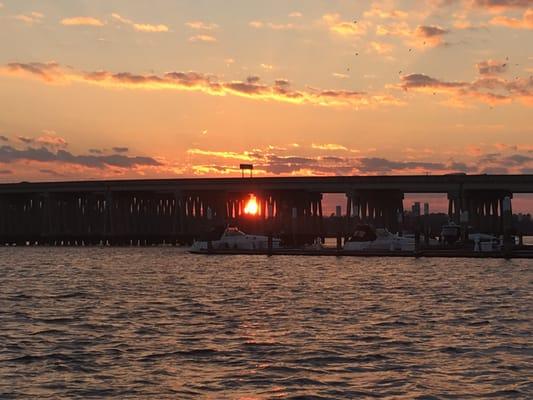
point(30, 19)
point(344, 28)
point(380, 47)
point(203, 38)
point(222, 154)
point(81, 21)
point(421, 37)
point(394, 29)
point(252, 88)
point(525, 23)
point(202, 26)
point(272, 25)
point(378, 12)
point(329, 146)
point(140, 27)
point(340, 76)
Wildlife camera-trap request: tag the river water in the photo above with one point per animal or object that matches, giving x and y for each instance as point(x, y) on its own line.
point(158, 323)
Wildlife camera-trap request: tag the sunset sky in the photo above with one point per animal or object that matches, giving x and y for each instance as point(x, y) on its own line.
point(93, 89)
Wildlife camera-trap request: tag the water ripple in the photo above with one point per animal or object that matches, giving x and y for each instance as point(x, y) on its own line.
point(160, 323)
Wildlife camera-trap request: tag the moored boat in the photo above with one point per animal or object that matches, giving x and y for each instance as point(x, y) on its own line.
point(234, 239)
point(367, 238)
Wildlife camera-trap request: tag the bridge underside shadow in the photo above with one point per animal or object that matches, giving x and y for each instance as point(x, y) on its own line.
point(172, 211)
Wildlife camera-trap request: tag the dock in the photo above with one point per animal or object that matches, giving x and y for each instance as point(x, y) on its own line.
point(332, 252)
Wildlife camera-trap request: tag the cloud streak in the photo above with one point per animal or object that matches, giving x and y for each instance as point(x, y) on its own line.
point(82, 21)
point(140, 27)
point(525, 23)
point(10, 154)
point(279, 91)
point(201, 26)
point(203, 39)
point(277, 161)
point(30, 19)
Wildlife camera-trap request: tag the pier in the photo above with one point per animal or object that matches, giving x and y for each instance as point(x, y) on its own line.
point(171, 211)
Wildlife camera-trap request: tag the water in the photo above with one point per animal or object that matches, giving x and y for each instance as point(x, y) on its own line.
point(160, 323)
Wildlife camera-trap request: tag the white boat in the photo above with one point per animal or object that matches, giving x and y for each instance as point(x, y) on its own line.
point(235, 239)
point(366, 238)
point(484, 242)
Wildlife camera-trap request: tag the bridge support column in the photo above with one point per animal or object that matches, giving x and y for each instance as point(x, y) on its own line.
point(485, 210)
point(380, 208)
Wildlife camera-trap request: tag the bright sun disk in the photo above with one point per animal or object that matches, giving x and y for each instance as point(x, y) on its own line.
point(251, 207)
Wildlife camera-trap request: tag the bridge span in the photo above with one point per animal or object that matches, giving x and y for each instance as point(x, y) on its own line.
point(178, 210)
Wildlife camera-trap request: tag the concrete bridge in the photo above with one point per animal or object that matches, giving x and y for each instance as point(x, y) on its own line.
point(178, 210)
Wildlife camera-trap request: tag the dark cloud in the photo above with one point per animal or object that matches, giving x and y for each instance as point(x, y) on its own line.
point(492, 4)
point(95, 151)
point(5, 172)
point(376, 164)
point(459, 167)
point(282, 82)
point(25, 139)
point(346, 165)
point(518, 159)
point(50, 172)
point(491, 67)
point(342, 93)
point(245, 87)
point(121, 149)
point(4, 138)
point(430, 31)
point(421, 80)
point(503, 3)
point(495, 170)
point(188, 78)
point(47, 71)
point(333, 159)
point(253, 79)
point(488, 89)
point(490, 157)
point(9, 154)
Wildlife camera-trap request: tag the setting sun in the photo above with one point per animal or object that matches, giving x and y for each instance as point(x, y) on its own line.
point(251, 207)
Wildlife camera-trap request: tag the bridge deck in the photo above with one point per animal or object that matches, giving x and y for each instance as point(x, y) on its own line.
point(330, 184)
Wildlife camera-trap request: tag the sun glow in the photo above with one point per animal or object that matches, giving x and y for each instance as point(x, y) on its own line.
point(251, 207)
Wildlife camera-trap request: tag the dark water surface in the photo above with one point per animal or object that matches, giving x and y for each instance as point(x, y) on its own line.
point(160, 323)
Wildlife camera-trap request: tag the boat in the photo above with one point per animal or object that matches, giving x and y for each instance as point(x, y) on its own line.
point(485, 242)
point(450, 233)
point(234, 239)
point(365, 237)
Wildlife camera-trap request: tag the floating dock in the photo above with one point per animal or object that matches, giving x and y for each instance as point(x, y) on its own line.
point(526, 253)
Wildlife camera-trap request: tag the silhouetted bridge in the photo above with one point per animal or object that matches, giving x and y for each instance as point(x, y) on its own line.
point(178, 210)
